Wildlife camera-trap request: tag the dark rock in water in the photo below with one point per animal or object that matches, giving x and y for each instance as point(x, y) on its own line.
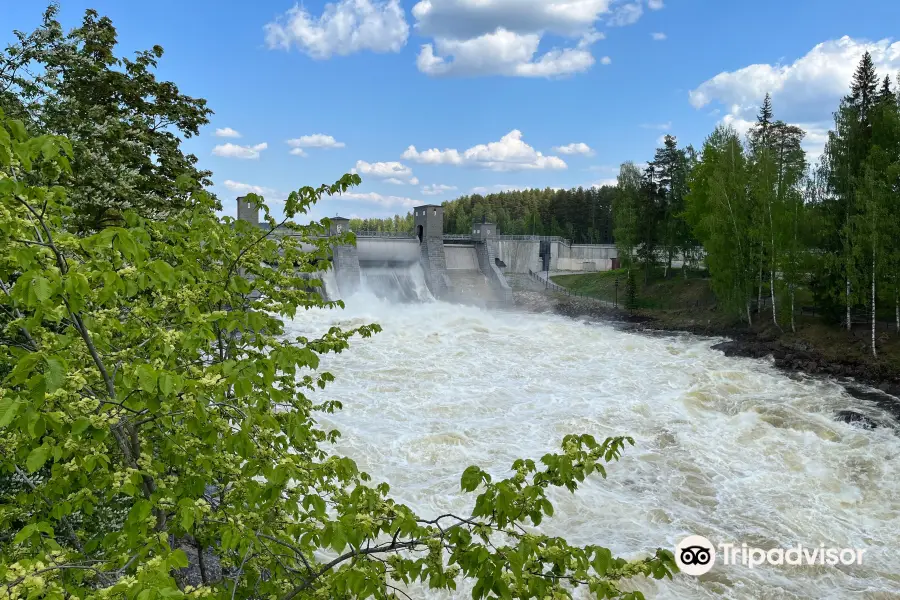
point(854, 418)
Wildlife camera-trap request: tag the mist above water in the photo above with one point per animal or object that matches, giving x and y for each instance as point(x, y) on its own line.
point(727, 448)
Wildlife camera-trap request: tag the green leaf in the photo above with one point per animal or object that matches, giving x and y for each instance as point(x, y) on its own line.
point(41, 288)
point(146, 378)
point(166, 383)
point(55, 374)
point(9, 408)
point(18, 130)
point(37, 458)
point(25, 533)
point(80, 425)
point(178, 560)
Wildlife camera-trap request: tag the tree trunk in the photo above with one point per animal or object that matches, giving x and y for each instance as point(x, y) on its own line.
point(793, 324)
point(848, 303)
point(772, 267)
point(897, 310)
point(749, 318)
point(759, 294)
point(874, 352)
point(772, 296)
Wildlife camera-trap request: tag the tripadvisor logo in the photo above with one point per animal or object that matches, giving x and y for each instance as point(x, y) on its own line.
point(696, 555)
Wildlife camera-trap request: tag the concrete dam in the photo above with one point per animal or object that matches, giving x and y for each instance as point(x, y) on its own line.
point(428, 264)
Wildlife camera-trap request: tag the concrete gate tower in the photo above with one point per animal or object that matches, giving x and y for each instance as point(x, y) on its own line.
point(429, 230)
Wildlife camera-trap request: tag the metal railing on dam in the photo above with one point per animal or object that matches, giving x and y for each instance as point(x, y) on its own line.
point(464, 236)
point(451, 236)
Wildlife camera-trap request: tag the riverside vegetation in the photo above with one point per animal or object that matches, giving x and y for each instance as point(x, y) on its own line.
point(156, 438)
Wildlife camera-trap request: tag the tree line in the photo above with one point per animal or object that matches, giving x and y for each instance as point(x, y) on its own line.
point(773, 224)
point(582, 215)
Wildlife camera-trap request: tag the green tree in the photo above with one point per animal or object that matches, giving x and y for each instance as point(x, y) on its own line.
point(125, 126)
point(625, 213)
point(671, 166)
point(156, 421)
point(720, 212)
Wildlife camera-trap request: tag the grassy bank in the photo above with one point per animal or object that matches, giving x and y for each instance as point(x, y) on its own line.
point(688, 304)
point(657, 293)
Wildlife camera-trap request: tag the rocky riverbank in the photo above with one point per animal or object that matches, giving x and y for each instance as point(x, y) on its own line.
point(790, 353)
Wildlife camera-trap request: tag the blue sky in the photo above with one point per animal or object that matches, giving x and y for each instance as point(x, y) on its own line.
point(431, 99)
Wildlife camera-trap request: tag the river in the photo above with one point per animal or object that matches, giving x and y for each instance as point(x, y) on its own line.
point(728, 448)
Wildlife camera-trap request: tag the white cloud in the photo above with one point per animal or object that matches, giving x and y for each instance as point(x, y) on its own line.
point(658, 36)
point(464, 19)
point(245, 188)
point(655, 4)
point(661, 126)
point(575, 148)
point(344, 27)
point(502, 37)
point(510, 153)
point(392, 172)
point(437, 189)
point(498, 188)
point(379, 199)
point(626, 14)
point(603, 182)
point(502, 52)
point(605, 60)
point(316, 140)
point(227, 132)
point(298, 152)
point(805, 92)
point(235, 151)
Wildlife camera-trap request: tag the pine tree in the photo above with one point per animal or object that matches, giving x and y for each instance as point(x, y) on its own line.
point(886, 94)
point(863, 89)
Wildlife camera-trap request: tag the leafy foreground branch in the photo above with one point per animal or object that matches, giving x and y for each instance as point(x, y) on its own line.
point(157, 440)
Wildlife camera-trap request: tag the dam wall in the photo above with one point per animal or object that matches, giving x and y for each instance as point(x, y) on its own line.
point(522, 255)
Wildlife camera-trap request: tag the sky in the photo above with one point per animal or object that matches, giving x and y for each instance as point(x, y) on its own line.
point(428, 100)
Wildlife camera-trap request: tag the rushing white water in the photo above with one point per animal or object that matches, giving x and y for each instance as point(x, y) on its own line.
point(395, 284)
point(728, 448)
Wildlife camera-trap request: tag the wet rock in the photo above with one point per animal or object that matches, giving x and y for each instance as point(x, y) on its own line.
point(856, 419)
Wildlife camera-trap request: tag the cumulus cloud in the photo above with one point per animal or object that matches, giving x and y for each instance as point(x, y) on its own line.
point(467, 37)
point(655, 4)
point(575, 148)
point(344, 27)
point(605, 60)
point(391, 172)
point(501, 37)
point(461, 19)
point(626, 14)
point(502, 52)
point(805, 92)
point(497, 188)
point(436, 189)
point(298, 152)
point(612, 182)
point(245, 188)
point(316, 140)
point(658, 37)
point(379, 199)
point(235, 151)
point(227, 132)
point(510, 153)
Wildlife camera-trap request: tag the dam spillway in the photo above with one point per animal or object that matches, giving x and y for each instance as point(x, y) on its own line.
point(413, 268)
